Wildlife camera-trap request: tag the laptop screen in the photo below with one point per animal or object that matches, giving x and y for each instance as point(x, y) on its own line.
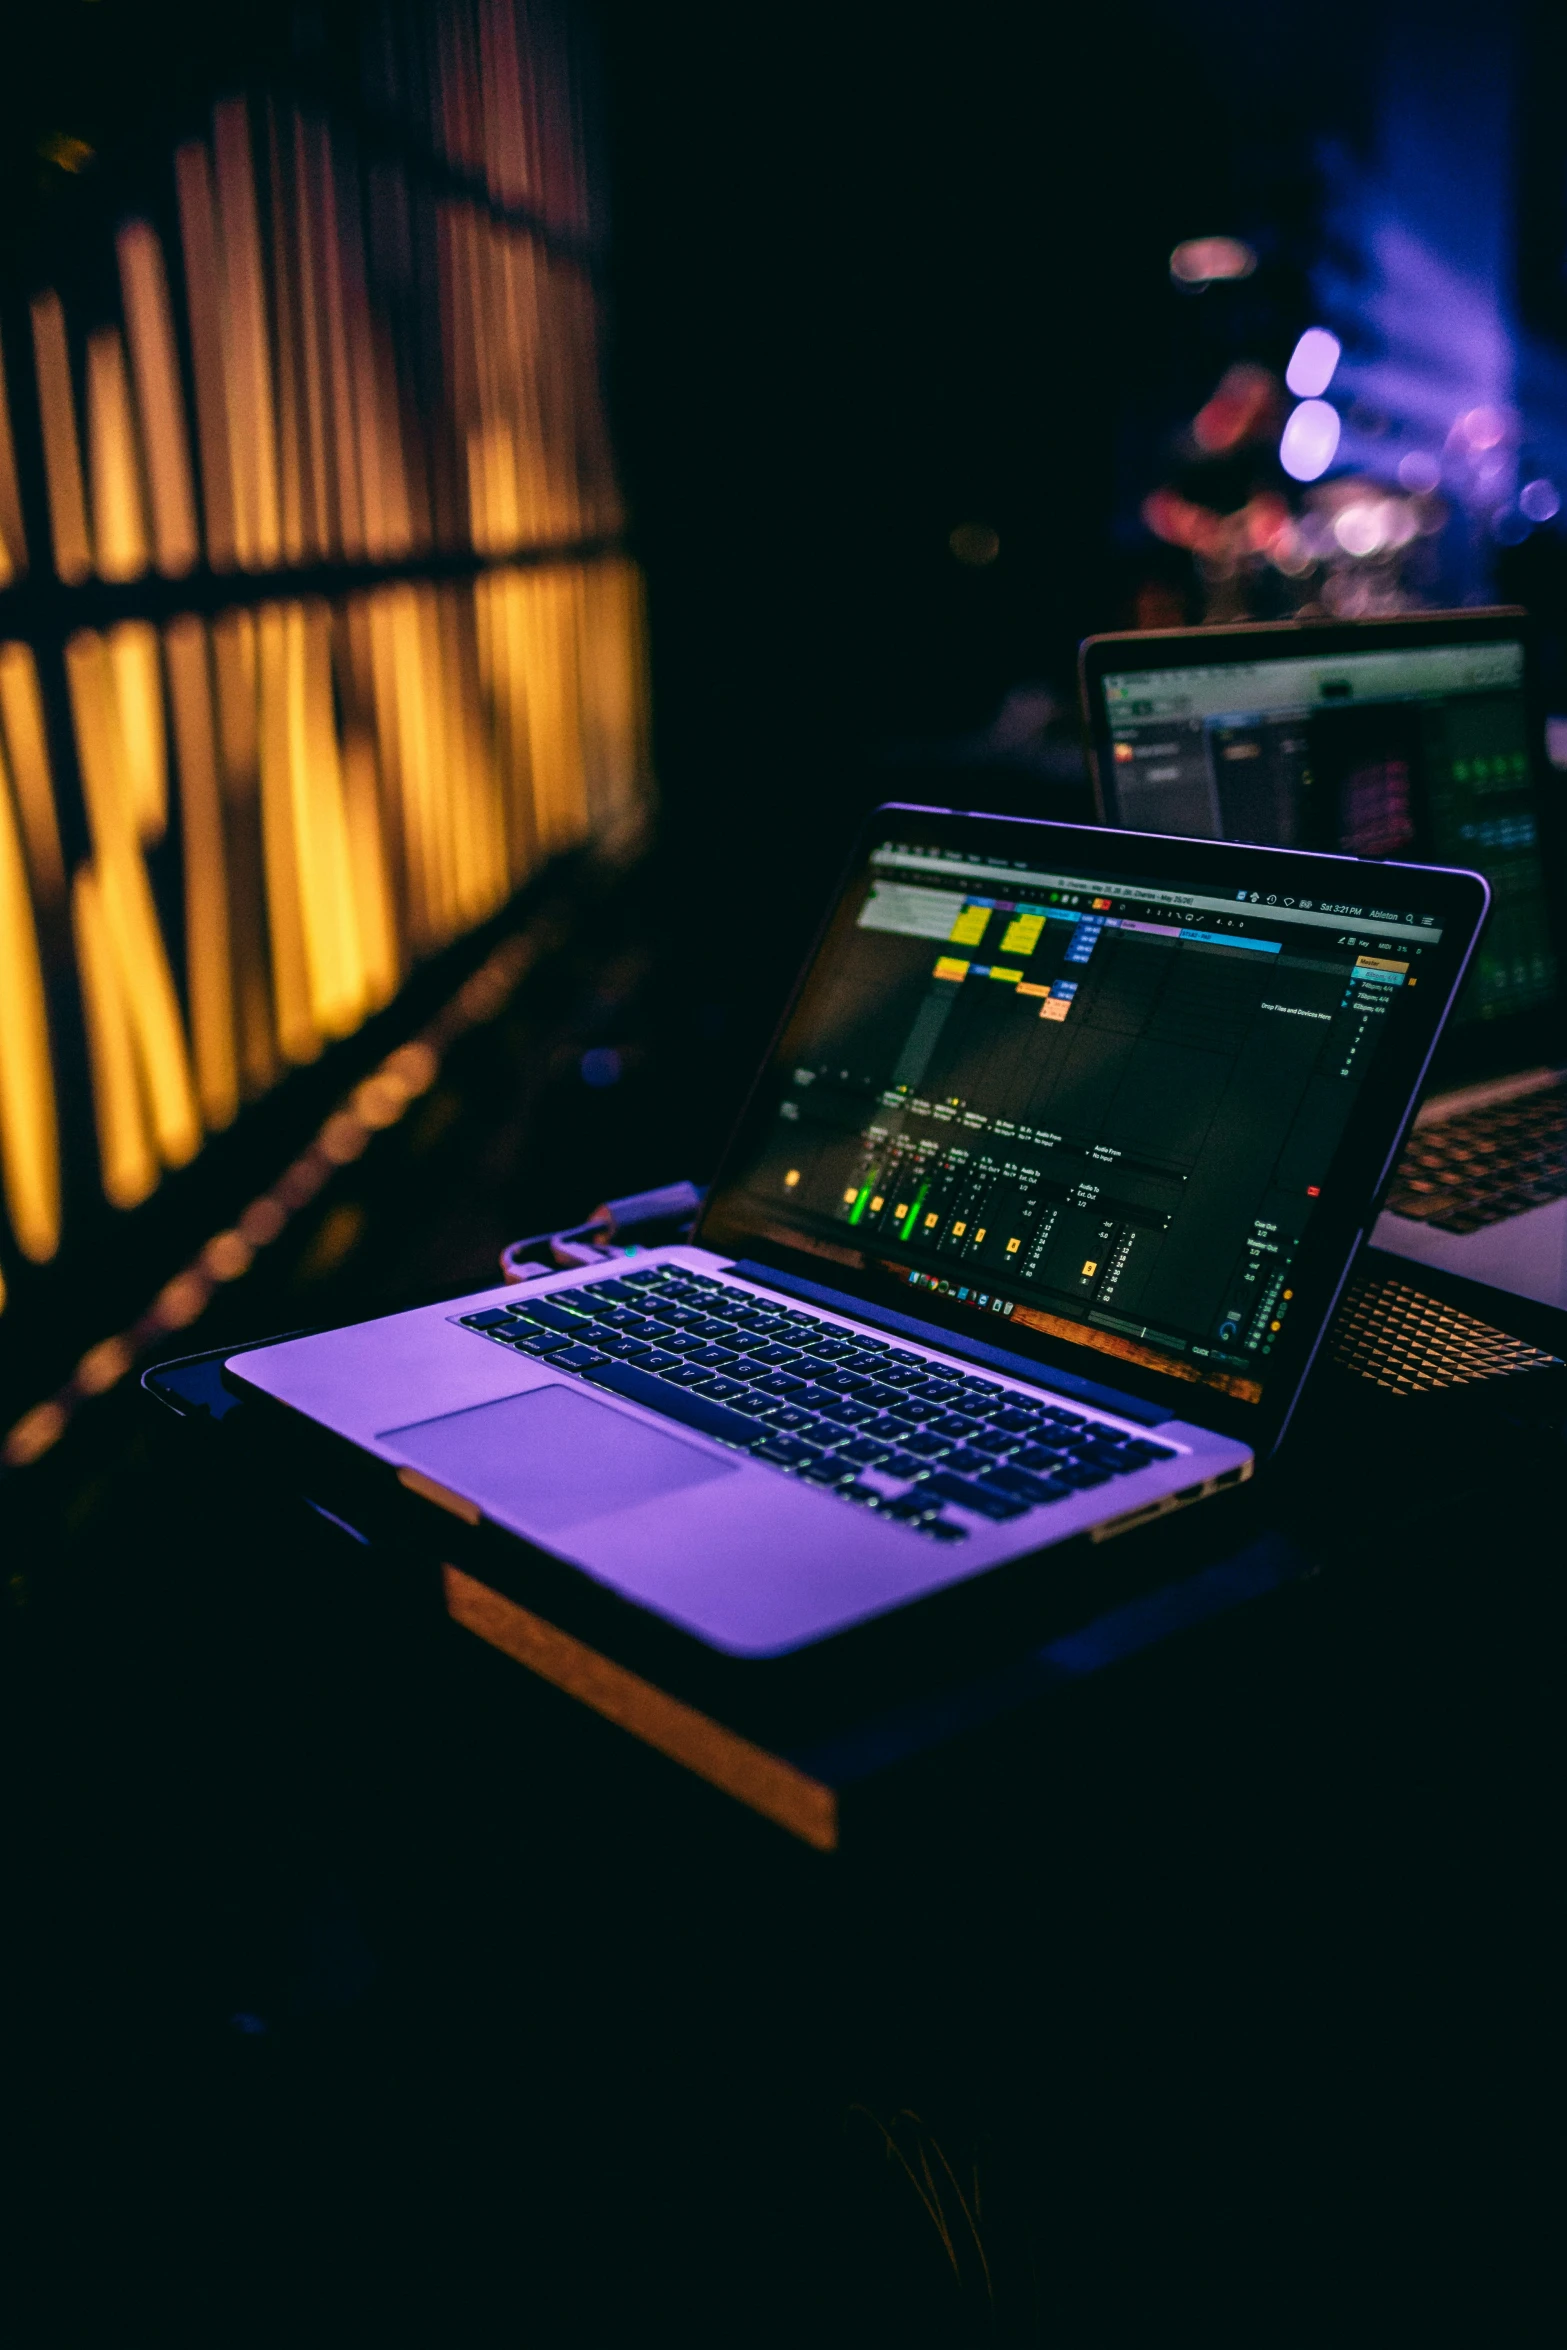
point(1411, 751)
point(1098, 1106)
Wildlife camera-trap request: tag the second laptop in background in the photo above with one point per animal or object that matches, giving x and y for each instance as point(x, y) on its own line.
point(1419, 738)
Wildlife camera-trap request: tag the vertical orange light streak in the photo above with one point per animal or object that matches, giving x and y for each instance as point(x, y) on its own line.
point(550, 355)
point(506, 150)
point(554, 723)
point(13, 538)
point(139, 959)
point(372, 893)
point(363, 721)
point(297, 1032)
point(258, 535)
point(425, 755)
point(303, 229)
point(62, 448)
point(149, 325)
point(236, 669)
point(119, 524)
point(481, 782)
point(613, 703)
point(345, 453)
point(458, 799)
point(127, 1162)
point(29, 1136)
point(208, 967)
point(402, 729)
point(512, 686)
point(292, 492)
point(204, 308)
point(332, 950)
point(132, 647)
point(377, 494)
point(22, 714)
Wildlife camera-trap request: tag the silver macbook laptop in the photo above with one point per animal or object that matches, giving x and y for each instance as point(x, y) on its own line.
point(1417, 737)
point(1029, 1233)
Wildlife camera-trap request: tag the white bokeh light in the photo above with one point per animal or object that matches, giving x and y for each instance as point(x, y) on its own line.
point(1310, 440)
point(1312, 363)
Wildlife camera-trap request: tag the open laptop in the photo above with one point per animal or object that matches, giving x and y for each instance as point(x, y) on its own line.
point(1029, 1232)
point(1417, 737)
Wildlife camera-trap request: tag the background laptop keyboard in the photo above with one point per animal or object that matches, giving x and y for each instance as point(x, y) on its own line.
point(1485, 1165)
point(867, 1419)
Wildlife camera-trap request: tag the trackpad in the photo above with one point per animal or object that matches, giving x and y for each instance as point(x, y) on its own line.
point(553, 1458)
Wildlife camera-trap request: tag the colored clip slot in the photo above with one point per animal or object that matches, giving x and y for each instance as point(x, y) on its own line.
point(1011, 977)
point(1032, 987)
point(1021, 935)
point(1054, 1008)
point(950, 967)
point(969, 928)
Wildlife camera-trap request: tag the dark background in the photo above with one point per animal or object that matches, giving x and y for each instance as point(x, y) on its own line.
point(879, 273)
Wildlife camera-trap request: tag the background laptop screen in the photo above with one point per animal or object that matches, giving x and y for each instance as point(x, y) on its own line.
point(1421, 753)
point(1100, 1111)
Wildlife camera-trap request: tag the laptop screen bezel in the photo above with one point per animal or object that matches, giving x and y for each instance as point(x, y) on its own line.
point(1360, 1168)
point(1475, 1051)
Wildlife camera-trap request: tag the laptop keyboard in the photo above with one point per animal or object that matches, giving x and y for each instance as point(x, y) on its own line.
point(862, 1417)
point(1485, 1165)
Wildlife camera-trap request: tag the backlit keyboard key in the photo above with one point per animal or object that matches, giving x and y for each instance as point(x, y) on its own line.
point(1023, 1487)
point(988, 1501)
point(1039, 1457)
point(847, 1413)
point(787, 1451)
point(554, 1317)
point(787, 1416)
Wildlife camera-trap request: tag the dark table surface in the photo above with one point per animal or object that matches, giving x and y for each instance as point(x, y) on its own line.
point(364, 1988)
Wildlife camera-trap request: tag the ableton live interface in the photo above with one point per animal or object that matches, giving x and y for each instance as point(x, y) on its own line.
point(1419, 752)
point(1100, 1111)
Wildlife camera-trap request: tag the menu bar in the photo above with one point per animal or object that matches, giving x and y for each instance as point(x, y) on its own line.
point(1310, 913)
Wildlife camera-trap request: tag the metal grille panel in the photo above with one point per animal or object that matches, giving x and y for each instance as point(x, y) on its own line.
point(1411, 1344)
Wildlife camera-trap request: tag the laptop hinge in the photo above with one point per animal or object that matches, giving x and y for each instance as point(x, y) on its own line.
point(973, 1350)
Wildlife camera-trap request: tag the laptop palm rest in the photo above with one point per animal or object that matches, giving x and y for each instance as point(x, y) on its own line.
point(1526, 1253)
point(553, 1458)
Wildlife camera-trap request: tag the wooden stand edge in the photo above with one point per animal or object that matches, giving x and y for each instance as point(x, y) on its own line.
point(771, 1786)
